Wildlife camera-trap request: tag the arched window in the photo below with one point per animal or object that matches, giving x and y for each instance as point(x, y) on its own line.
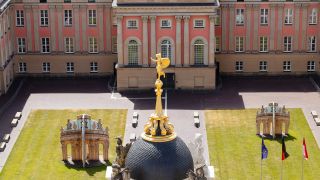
point(166, 49)
point(133, 52)
point(199, 52)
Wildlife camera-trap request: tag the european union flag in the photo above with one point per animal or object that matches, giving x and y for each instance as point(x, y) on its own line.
point(264, 150)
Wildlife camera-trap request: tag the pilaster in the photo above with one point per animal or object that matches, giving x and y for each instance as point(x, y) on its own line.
point(224, 11)
point(76, 25)
point(248, 27)
point(100, 15)
point(296, 27)
point(255, 27)
point(304, 29)
point(186, 43)
point(52, 16)
point(145, 45)
point(280, 26)
point(60, 24)
point(272, 23)
point(211, 41)
point(108, 28)
point(178, 42)
point(28, 24)
point(153, 37)
point(84, 14)
point(35, 11)
point(119, 40)
point(231, 28)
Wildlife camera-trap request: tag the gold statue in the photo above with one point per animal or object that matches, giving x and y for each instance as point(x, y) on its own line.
point(158, 119)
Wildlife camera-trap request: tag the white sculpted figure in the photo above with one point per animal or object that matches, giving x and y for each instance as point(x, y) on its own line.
point(197, 150)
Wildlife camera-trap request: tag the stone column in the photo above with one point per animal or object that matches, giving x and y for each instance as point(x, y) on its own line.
point(145, 45)
point(256, 21)
point(74, 151)
point(211, 42)
point(76, 25)
point(153, 38)
point(28, 24)
point(36, 13)
point(231, 28)
point(105, 151)
point(258, 122)
point(272, 22)
point(64, 149)
point(52, 16)
point(296, 21)
point(280, 25)
point(303, 34)
point(119, 40)
point(186, 43)
point(84, 13)
point(224, 22)
point(108, 28)
point(248, 27)
point(177, 61)
point(100, 15)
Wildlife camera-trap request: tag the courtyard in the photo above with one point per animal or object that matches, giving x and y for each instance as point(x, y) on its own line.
point(37, 153)
point(235, 150)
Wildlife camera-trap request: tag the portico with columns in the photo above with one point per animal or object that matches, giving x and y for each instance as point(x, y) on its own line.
point(184, 32)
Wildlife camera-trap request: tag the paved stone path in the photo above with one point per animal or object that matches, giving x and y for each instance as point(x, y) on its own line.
point(237, 93)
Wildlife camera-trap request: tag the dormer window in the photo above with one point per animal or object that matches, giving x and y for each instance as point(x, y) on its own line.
point(165, 23)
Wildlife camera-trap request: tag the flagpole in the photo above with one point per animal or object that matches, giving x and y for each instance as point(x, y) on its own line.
point(261, 169)
point(302, 168)
point(281, 169)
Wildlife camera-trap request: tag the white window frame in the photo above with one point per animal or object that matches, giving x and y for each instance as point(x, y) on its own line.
point(288, 19)
point(68, 17)
point(264, 16)
point(199, 58)
point(93, 45)
point(169, 23)
point(19, 18)
point(240, 17)
point(166, 49)
point(92, 17)
point(313, 18)
point(286, 66)
point(264, 44)
point(44, 17)
point(311, 66)
point(263, 66)
point(239, 66)
point(46, 67)
point(133, 57)
point(70, 67)
point(132, 24)
point(218, 44)
point(21, 44)
point(93, 67)
point(22, 67)
point(239, 44)
point(45, 45)
point(312, 44)
point(68, 45)
point(287, 44)
point(199, 23)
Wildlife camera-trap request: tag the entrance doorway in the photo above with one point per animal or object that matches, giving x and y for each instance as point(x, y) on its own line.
point(169, 82)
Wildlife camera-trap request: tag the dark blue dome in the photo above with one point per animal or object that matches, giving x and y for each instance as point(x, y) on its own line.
point(159, 160)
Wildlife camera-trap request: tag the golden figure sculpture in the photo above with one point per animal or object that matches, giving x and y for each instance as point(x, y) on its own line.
point(158, 119)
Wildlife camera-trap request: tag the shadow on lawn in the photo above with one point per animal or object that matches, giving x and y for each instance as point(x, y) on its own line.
point(278, 138)
point(91, 170)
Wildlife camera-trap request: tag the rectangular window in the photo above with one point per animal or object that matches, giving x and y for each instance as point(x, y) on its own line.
point(263, 66)
point(44, 20)
point(21, 45)
point(312, 44)
point(114, 44)
point(43, 1)
point(288, 16)
point(67, 1)
point(217, 19)
point(199, 23)
point(218, 44)
point(67, 17)
point(93, 45)
point(286, 66)
point(239, 66)
point(313, 18)
point(165, 23)
point(70, 67)
point(45, 44)
point(311, 66)
point(239, 44)
point(132, 24)
point(22, 67)
point(91, 1)
point(19, 18)
point(92, 17)
point(287, 44)
point(239, 16)
point(264, 16)
point(46, 67)
point(68, 45)
point(93, 67)
point(263, 44)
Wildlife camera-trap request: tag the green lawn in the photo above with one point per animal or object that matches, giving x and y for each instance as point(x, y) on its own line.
point(37, 153)
point(235, 150)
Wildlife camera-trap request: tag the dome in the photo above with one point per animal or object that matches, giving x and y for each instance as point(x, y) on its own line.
point(159, 160)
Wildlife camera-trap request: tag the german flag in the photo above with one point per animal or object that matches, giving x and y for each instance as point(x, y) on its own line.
point(284, 153)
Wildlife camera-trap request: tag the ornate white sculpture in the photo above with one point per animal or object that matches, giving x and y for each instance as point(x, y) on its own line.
point(197, 150)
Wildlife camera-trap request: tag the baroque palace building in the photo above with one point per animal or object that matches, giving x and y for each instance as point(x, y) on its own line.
point(202, 38)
